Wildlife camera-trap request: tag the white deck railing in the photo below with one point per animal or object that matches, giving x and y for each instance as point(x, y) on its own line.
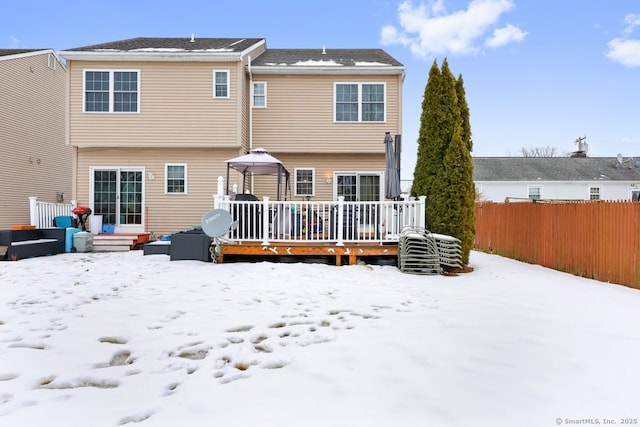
point(43, 213)
point(321, 221)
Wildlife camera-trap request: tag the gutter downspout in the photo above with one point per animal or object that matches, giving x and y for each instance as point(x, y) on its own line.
point(250, 112)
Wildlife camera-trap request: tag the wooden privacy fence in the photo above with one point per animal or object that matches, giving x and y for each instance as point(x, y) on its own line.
point(598, 240)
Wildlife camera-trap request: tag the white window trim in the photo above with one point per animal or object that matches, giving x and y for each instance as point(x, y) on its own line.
point(529, 187)
point(166, 178)
point(335, 99)
point(357, 174)
point(253, 105)
point(111, 84)
point(313, 182)
point(228, 73)
point(51, 61)
point(599, 187)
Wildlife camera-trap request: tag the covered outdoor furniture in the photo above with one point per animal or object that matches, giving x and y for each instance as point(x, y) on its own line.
point(20, 244)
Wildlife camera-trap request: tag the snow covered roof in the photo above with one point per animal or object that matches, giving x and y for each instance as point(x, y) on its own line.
point(291, 59)
point(167, 49)
point(555, 169)
point(161, 44)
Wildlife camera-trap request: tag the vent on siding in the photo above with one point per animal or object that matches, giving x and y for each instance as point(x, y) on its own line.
point(51, 61)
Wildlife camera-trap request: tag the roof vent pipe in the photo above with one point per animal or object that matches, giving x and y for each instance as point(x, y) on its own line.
point(192, 38)
point(324, 51)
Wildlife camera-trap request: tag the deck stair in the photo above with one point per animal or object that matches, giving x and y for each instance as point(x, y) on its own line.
point(118, 242)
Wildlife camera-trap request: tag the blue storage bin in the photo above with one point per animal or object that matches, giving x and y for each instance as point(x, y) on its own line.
point(68, 240)
point(108, 228)
point(63, 221)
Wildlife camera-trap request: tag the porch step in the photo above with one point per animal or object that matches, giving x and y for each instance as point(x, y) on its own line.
point(110, 248)
point(118, 242)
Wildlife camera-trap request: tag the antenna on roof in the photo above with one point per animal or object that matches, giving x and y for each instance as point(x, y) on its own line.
point(324, 51)
point(192, 38)
point(619, 158)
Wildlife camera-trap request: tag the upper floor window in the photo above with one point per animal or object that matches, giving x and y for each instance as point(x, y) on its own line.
point(111, 91)
point(304, 184)
point(594, 193)
point(51, 61)
point(535, 192)
point(259, 94)
point(221, 83)
point(360, 102)
point(176, 178)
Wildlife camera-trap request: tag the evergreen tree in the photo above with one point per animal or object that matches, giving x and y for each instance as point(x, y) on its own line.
point(459, 191)
point(467, 186)
point(464, 112)
point(425, 139)
point(444, 169)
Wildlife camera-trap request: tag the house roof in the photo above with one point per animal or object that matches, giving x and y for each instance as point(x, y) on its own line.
point(161, 44)
point(555, 169)
point(166, 49)
point(7, 52)
point(326, 61)
point(326, 57)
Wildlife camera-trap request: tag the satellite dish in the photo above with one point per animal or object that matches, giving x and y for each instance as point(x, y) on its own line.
point(216, 223)
point(619, 157)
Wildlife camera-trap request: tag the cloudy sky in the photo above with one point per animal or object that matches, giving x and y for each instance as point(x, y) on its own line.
point(537, 73)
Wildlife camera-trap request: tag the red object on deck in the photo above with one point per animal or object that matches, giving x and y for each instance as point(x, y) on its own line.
point(82, 212)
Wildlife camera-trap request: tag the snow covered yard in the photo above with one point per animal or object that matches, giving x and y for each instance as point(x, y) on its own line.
point(108, 339)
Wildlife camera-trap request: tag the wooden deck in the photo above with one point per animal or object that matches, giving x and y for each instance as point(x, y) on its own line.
point(349, 252)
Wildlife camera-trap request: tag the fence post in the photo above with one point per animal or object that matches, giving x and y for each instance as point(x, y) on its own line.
point(265, 220)
point(33, 211)
point(422, 221)
point(340, 215)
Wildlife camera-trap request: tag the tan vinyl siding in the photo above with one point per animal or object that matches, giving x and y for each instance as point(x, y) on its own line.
point(300, 115)
point(34, 159)
point(176, 103)
point(325, 165)
point(167, 213)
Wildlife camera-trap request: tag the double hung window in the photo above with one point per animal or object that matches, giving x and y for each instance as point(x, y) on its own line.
point(304, 182)
point(221, 84)
point(176, 179)
point(111, 91)
point(360, 102)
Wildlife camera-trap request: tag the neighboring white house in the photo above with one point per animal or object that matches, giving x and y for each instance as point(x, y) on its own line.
point(556, 178)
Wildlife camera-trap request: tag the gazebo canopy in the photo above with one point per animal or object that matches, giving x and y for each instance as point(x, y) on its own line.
point(258, 161)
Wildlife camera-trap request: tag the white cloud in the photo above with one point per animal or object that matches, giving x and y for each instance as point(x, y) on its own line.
point(632, 22)
point(427, 29)
point(505, 35)
point(14, 41)
point(626, 52)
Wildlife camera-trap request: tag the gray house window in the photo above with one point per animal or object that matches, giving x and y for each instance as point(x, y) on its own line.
point(535, 192)
point(594, 193)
